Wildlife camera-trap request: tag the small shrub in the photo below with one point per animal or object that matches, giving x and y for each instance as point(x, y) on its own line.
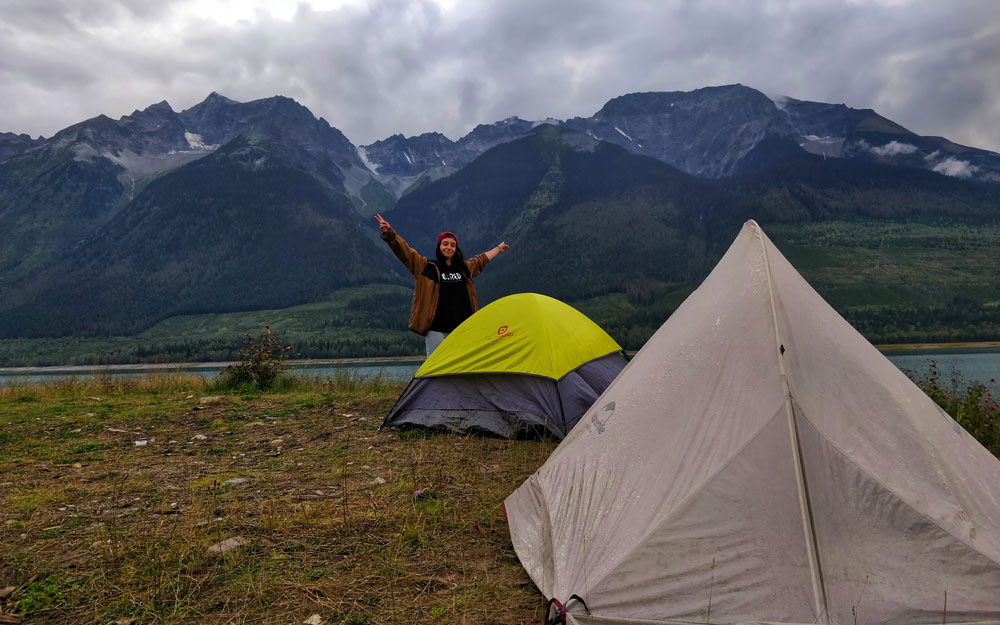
point(973, 405)
point(260, 366)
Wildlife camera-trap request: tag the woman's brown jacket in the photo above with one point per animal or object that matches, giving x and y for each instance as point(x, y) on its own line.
point(427, 281)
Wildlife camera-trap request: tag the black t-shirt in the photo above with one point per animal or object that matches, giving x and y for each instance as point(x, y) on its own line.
point(453, 302)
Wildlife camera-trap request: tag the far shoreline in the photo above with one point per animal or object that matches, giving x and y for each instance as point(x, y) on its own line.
point(891, 347)
point(402, 360)
point(171, 366)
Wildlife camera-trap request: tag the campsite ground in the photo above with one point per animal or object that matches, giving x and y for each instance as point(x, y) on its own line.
point(325, 515)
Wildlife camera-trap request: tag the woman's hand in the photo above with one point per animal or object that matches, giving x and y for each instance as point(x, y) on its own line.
point(494, 251)
point(383, 224)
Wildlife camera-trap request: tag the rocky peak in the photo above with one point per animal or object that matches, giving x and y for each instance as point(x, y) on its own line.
point(160, 108)
point(12, 145)
point(154, 130)
point(704, 132)
point(496, 133)
point(436, 155)
point(401, 156)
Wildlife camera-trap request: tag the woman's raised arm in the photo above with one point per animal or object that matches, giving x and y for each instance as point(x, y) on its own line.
point(409, 256)
point(492, 252)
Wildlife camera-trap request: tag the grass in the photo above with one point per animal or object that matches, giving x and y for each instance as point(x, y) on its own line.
point(339, 519)
point(336, 519)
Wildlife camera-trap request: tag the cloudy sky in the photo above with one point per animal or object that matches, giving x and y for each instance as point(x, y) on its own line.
point(373, 68)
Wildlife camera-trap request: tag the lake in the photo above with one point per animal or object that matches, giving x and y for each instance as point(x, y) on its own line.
point(392, 369)
point(974, 365)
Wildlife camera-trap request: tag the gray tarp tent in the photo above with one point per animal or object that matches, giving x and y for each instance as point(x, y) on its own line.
point(759, 460)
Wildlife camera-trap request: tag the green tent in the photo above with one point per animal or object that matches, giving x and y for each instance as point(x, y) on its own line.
point(525, 364)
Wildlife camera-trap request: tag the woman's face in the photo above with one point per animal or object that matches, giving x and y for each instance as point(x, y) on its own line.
point(448, 246)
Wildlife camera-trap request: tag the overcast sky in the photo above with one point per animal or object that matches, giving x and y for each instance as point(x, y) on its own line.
point(373, 68)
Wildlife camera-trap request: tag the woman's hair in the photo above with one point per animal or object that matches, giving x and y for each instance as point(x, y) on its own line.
point(458, 260)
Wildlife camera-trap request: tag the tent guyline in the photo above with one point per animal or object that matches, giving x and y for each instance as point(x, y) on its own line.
point(559, 616)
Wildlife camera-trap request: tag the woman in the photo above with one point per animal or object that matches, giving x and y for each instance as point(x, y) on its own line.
point(443, 293)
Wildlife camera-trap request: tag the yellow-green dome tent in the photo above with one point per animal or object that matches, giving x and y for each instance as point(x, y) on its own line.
point(524, 363)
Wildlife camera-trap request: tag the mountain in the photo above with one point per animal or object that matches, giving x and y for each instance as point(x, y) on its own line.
point(244, 228)
point(11, 144)
point(56, 193)
point(589, 220)
point(115, 226)
point(403, 163)
point(543, 194)
point(51, 201)
point(708, 131)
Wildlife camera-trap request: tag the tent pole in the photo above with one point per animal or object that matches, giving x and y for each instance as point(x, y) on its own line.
point(805, 506)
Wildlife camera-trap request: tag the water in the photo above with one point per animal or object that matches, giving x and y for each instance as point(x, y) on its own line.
point(975, 365)
point(396, 370)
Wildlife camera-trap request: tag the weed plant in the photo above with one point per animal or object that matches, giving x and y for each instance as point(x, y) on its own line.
point(262, 360)
point(973, 405)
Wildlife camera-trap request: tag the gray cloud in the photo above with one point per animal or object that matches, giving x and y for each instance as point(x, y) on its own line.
point(410, 66)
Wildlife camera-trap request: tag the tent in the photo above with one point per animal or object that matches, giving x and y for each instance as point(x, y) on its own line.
point(759, 460)
point(524, 364)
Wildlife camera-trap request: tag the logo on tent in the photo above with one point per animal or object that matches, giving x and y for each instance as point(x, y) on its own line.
point(501, 330)
point(600, 419)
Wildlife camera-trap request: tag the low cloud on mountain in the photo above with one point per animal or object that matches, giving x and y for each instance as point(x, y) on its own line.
point(955, 167)
point(893, 148)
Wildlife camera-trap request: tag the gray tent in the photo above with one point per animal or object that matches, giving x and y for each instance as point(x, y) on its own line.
point(759, 460)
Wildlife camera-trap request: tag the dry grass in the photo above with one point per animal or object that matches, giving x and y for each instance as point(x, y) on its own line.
point(95, 529)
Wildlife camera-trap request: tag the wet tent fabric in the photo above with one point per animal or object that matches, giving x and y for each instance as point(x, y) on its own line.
point(524, 365)
point(759, 460)
point(525, 333)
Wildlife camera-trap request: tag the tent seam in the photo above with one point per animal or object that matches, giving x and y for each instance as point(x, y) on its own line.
point(612, 353)
point(812, 545)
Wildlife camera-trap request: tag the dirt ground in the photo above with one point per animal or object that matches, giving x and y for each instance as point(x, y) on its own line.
point(161, 506)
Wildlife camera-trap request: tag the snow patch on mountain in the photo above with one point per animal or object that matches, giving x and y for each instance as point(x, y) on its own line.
point(195, 141)
point(363, 155)
point(893, 148)
point(823, 146)
point(622, 133)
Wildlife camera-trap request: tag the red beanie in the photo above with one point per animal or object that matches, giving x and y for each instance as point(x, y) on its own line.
point(445, 235)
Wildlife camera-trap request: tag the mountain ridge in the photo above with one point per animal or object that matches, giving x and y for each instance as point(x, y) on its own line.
point(115, 225)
